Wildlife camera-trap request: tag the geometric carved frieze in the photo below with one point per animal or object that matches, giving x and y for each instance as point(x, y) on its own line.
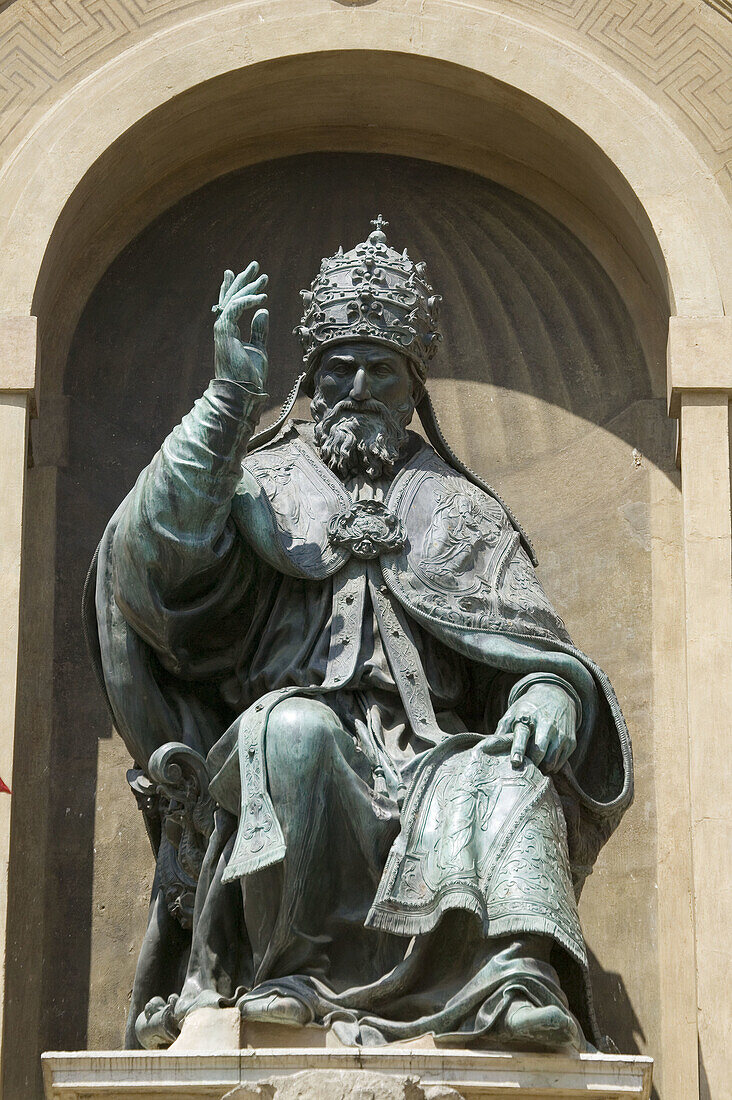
point(665, 45)
point(675, 54)
point(44, 41)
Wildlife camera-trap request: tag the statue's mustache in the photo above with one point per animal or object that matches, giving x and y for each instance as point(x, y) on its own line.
point(348, 404)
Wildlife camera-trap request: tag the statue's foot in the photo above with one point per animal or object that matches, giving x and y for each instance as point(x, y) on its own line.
point(549, 1027)
point(156, 1027)
point(275, 1008)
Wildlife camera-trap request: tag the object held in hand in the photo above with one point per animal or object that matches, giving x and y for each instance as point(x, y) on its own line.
point(522, 730)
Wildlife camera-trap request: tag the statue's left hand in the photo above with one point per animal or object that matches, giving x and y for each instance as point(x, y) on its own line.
point(541, 724)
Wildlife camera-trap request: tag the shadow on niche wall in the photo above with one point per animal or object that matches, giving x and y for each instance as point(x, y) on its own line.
point(611, 995)
point(527, 309)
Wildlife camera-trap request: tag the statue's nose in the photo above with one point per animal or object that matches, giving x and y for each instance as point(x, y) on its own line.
point(360, 389)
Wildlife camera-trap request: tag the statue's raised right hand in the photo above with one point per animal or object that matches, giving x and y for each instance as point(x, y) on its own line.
point(233, 358)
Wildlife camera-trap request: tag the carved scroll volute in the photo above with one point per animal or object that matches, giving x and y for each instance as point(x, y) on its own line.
point(187, 810)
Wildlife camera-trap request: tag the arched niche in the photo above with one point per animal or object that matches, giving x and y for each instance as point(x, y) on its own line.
point(542, 384)
point(425, 108)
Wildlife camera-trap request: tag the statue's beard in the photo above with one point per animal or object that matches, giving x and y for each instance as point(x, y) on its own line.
point(356, 437)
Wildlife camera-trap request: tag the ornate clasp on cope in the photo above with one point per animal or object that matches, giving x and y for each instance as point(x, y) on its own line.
point(367, 529)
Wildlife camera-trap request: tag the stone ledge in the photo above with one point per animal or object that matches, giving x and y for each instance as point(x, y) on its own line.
point(18, 338)
point(698, 358)
point(162, 1075)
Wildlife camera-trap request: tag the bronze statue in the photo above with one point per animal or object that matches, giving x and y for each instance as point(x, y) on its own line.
point(374, 769)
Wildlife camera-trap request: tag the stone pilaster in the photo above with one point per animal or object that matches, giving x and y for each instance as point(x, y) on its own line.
point(17, 382)
point(700, 387)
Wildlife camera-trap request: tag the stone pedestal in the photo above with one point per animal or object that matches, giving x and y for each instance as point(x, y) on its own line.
point(390, 1073)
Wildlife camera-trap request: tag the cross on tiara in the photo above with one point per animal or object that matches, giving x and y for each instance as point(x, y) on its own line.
point(379, 223)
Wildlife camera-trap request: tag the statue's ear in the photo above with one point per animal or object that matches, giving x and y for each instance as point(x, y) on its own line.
point(417, 388)
point(310, 378)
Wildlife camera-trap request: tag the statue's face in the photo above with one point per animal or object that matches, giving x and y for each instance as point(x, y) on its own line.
point(363, 401)
point(364, 371)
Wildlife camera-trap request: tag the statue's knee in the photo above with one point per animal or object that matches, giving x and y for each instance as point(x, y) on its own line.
point(299, 735)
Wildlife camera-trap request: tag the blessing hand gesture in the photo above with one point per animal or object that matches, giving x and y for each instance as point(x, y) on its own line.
point(233, 358)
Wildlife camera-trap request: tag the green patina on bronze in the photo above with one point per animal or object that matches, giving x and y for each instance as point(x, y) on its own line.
point(374, 768)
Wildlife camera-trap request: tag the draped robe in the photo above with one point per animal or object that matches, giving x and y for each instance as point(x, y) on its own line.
point(422, 881)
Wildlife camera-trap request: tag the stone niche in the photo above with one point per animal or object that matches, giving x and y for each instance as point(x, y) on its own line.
point(541, 385)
